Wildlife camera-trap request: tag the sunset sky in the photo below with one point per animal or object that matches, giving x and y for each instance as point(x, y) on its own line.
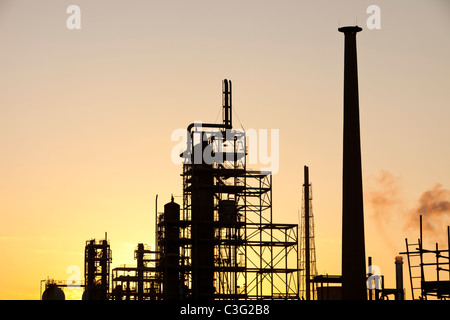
point(86, 118)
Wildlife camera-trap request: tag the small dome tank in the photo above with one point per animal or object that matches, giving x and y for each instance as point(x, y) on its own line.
point(53, 292)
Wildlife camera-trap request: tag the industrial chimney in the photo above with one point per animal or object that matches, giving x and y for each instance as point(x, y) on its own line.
point(353, 248)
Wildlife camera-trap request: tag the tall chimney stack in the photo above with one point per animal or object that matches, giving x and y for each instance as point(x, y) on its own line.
point(353, 247)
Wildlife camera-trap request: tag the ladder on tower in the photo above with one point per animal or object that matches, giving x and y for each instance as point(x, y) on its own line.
point(416, 275)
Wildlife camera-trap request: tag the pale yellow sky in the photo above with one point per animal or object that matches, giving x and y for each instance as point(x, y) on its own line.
point(86, 117)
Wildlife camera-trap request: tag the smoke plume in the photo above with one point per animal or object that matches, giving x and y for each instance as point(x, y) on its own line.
point(383, 199)
point(434, 206)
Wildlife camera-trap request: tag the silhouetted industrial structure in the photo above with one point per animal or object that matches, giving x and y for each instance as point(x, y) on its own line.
point(376, 286)
point(353, 247)
point(97, 261)
point(140, 282)
point(53, 291)
point(221, 243)
point(351, 284)
point(308, 269)
point(420, 260)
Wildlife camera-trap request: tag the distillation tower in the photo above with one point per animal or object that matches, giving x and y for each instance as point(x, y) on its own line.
point(222, 242)
point(97, 261)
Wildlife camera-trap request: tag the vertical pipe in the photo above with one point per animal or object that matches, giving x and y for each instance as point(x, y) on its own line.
point(420, 250)
point(448, 248)
point(369, 276)
point(229, 101)
point(307, 249)
point(226, 112)
point(437, 262)
point(399, 295)
point(353, 246)
point(156, 222)
point(420, 228)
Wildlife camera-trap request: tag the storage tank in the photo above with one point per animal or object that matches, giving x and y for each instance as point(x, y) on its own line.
point(53, 292)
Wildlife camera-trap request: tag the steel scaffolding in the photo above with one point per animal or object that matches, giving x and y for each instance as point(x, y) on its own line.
point(227, 245)
point(138, 283)
point(419, 263)
point(97, 261)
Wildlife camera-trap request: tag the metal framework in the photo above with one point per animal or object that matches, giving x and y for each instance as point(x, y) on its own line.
point(419, 263)
point(220, 244)
point(308, 269)
point(137, 283)
point(97, 261)
point(227, 244)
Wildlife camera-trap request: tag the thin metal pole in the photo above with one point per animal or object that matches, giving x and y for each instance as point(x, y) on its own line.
point(448, 248)
point(437, 262)
point(422, 275)
point(156, 222)
point(369, 276)
point(307, 253)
